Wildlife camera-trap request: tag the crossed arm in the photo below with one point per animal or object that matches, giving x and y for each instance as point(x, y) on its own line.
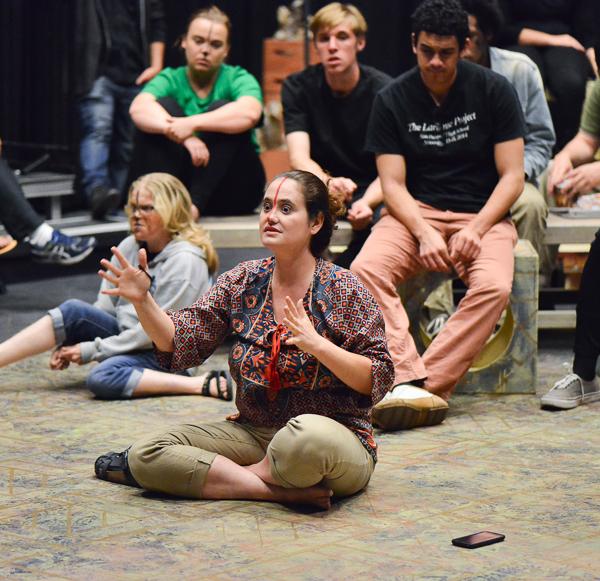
point(529, 36)
point(235, 117)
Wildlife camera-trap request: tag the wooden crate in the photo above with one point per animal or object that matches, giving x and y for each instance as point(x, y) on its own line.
point(280, 59)
point(573, 258)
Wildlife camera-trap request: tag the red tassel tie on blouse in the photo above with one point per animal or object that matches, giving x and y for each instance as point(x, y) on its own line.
point(272, 372)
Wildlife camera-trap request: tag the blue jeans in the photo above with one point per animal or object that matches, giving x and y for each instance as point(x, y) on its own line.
point(107, 135)
point(75, 321)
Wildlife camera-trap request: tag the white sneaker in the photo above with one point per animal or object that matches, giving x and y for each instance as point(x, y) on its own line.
point(570, 392)
point(436, 325)
point(407, 406)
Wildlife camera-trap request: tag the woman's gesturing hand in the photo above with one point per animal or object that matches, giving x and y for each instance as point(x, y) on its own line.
point(304, 335)
point(130, 282)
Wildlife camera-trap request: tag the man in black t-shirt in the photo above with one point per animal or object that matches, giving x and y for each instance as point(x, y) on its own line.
point(448, 136)
point(119, 46)
point(326, 112)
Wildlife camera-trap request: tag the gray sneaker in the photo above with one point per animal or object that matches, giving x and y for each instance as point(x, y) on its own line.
point(571, 391)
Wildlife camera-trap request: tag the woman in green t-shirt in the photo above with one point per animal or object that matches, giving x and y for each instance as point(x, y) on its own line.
point(196, 122)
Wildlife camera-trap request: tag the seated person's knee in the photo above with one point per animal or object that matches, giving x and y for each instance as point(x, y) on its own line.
point(301, 439)
point(99, 383)
point(497, 289)
point(360, 265)
point(171, 106)
point(144, 453)
point(217, 104)
point(532, 203)
point(569, 85)
point(73, 304)
point(303, 436)
point(537, 205)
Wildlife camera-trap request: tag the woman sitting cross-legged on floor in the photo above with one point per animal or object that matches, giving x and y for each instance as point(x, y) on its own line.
point(309, 358)
point(178, 268)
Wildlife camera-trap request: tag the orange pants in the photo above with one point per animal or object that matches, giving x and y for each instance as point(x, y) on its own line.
point(390, 256)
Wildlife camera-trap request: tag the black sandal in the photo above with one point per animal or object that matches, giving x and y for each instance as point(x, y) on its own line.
point(114, 467)
point(225, 393)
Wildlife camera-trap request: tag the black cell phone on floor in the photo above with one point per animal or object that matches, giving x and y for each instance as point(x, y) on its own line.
point(477, 540)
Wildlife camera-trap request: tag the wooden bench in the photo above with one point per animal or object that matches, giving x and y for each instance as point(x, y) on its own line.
point(561, 230)
point(242, 232)
point(225, 232)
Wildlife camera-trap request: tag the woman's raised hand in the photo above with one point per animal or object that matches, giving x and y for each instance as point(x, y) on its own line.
point(304, 335)
point(130, 282)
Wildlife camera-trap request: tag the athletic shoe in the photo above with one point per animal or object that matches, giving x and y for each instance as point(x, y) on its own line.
point(63, 249)
point(571, 391)
point(436, 325)
point(407, 406)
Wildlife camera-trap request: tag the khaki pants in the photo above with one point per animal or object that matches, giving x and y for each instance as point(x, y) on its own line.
point(390, 256)
point(309, 449)
point(530, 213)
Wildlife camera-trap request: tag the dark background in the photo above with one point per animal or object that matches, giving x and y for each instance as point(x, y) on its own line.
point(37, 109)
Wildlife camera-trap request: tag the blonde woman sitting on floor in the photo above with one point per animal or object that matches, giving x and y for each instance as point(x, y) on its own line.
point(180, 263)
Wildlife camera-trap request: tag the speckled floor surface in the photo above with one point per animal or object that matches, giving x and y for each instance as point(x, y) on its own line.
point(496, 463)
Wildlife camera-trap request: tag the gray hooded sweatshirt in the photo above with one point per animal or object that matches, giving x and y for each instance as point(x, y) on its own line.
point(180, 277)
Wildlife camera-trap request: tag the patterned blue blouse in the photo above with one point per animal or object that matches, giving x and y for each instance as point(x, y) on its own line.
point(240, 304)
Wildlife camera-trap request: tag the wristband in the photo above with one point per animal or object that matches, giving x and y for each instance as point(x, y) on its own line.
point(147, 274)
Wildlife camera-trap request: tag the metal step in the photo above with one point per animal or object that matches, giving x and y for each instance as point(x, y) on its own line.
point(559, 319)
point(50, 185)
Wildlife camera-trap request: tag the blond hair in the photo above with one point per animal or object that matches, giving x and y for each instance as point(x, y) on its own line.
point(334, 14)
point(173, 204)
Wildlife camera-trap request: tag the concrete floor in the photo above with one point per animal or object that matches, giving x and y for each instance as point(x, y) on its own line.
point(497, 463)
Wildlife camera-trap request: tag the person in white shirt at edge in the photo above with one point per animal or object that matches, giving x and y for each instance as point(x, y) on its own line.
point(326, 110)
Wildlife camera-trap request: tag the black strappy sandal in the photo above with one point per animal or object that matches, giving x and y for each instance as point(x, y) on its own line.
point(114, 467)
point(226, 392)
